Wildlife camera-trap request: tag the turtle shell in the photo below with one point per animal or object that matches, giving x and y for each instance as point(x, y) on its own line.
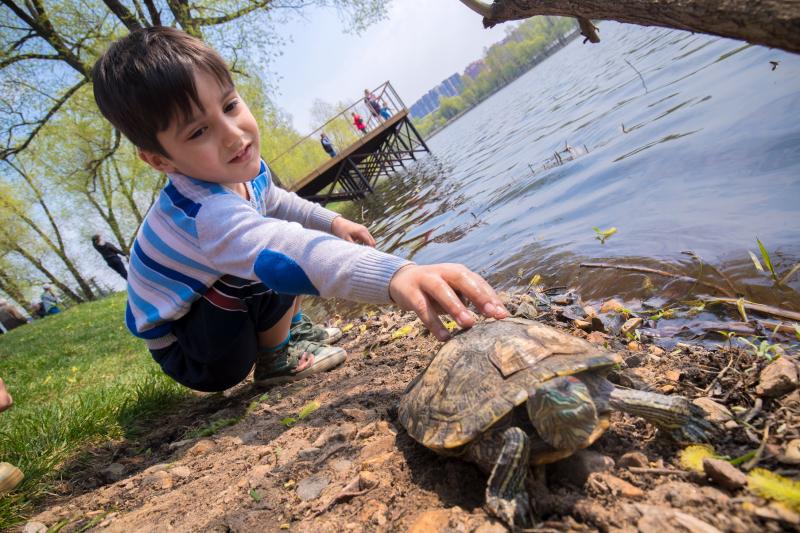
point(480, 375)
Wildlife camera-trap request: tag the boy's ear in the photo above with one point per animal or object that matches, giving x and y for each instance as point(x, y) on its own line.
point(157, 161)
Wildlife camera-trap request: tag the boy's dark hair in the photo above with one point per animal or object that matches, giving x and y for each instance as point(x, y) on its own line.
point(146, 80)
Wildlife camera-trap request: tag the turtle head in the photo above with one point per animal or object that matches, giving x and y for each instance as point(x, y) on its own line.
point(563, 413)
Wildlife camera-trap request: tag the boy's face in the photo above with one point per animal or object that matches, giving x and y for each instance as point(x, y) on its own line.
point(218, 144)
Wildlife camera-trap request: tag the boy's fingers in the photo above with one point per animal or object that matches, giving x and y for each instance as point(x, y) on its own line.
point(478, 291)
point(424, 309)
point(446, 300)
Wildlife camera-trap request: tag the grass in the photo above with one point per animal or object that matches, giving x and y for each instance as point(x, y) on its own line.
point(78, 379)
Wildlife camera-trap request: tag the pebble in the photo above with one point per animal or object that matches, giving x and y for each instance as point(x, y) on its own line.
point(611, 306)
point(731, 424)
point(633, 459)
point(431, 521)
point(34, 527)
point(778, 378)
point(635, 346)
point(307, 454)
point(791, 454)
point(156, 468)
point(617, 485)
point(596, 337)
point(715, 412)
point(631, 325)
point(577, 468)
point(655, 350)
point(202, 446)
point(380, 446)
point(633, 361)
point(341, 465)
point(179, 443)
point(359, 415)
point(113, 472)
point(673, 375)
point(181, 471)
point(724, 474)
point(311, 487)
point(161, 479)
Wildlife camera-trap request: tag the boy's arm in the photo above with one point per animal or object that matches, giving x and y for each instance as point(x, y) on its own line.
point(287, 205)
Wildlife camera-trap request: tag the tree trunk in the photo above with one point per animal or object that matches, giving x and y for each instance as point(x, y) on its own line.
point(774, 23)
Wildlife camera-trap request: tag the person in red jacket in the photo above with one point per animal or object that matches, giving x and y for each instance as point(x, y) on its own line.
point(358, 122)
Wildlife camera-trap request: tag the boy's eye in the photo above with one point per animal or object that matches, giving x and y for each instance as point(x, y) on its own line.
point(197, 133)
point(231, 105)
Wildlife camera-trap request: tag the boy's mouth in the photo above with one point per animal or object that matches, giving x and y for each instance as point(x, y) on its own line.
point(243, 155)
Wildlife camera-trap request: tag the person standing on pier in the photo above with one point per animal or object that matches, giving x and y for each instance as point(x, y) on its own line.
point(327, 145)
point(358, 122)
point(373, 104)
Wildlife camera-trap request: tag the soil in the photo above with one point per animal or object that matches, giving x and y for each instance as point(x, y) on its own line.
point(350, 466)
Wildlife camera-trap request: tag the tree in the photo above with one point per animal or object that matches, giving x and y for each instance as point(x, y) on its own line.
point(61, 165)
point(774, 23)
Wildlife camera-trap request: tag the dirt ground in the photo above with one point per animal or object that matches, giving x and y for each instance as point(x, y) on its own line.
point(350, 466)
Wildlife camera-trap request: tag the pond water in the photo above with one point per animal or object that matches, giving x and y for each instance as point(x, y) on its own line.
point(697, 151)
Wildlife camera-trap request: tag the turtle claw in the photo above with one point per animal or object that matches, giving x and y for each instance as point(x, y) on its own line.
point(515, 513)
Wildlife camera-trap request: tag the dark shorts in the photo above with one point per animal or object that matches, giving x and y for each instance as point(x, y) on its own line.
point(218, 338)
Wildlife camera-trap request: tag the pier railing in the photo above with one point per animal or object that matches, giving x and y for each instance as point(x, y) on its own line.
point(307, 154)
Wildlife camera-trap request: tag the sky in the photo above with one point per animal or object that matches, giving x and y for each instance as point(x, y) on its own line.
point(421, 43)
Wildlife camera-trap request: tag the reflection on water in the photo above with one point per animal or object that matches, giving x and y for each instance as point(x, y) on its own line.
point(700, 154)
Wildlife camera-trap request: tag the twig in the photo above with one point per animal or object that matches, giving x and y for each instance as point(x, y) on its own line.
point(719, 376)
point(659, 471)
point(759, 452)
point(639, 73)
point(648, 270)
point(761, 308)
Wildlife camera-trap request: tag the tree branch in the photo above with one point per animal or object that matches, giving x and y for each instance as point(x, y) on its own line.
point(123, 14)
point(774, 23)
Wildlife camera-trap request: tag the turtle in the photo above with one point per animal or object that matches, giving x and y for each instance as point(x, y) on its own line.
point(469, 402)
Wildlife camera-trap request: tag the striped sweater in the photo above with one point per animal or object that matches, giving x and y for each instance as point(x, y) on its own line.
point(197, 231)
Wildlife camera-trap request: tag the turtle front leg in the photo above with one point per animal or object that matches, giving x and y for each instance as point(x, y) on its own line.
point(675, 414)
point(506, 497)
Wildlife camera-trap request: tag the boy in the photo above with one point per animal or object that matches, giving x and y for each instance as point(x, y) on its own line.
point(223, 252)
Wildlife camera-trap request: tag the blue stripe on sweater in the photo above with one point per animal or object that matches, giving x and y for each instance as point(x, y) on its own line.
point(189, 207)
point(172, 253)
point(154, 333)
point(148, 261)
point(177, 215)
point(282, 274)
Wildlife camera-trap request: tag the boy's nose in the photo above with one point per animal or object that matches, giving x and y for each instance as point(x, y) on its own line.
point(232, 134)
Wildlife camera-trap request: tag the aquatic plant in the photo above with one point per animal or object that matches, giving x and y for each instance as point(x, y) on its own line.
point(602, 235)
point(779, 280)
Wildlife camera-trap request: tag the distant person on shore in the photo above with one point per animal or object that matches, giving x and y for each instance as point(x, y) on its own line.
point(111, 254)
point(327, 145)
point(49, 302)
point(10, 316)
point(224, 254)
point(358, 122)
point(373, 104)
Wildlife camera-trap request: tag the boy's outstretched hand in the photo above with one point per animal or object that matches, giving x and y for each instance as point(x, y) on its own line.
point(351, 231)
point(431, 290)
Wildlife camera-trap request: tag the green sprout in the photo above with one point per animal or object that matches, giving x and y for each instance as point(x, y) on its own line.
point(602, 235)
point(779, 280)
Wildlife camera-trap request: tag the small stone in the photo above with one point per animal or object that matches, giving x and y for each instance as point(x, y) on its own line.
point(156, 468)
point(431, 522)
point(635, 346)
point(631, 325)
point(341, 465)
point(202, 446)
point(633, 361)
point(715, 412)
point(113, 472)
point(619, 486)
point(589, 310)
point(161, 479)
point(655, 350)
point(791, 454)
point(731, 424)
point(34, 527)
point(311, 487)
point(585, 325)
point(673, 375)
point(359, 415)
point(381, 445)
point(667, 389)
point(785, 514)
point(576, 468)
point(181, 471)
point(778, 378)
point(491, 527)
point(633, 459)
point(307, 454)
point(724, 474)
point(610, 306)
point(367, 431)
point(179, 443)
point(596, 337)
point(792, 400)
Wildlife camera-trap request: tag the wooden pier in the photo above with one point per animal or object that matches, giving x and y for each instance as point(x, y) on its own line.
point(383, 150)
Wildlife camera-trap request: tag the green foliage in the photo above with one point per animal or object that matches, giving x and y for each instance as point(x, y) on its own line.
point(78, 379)
point(211, 428)
point(777, 278)
point(305, 412)
point(764, 348)
point(603, 234)
point(503, 62)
